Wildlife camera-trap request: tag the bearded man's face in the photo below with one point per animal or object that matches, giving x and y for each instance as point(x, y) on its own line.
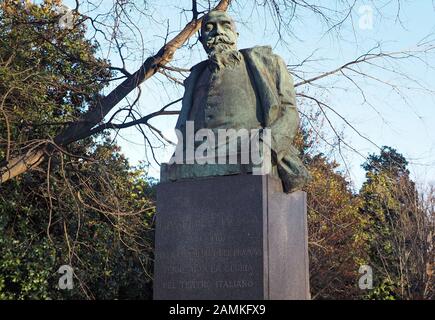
point(218, 33)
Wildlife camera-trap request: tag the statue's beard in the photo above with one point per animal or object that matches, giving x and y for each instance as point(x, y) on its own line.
point(223, 53)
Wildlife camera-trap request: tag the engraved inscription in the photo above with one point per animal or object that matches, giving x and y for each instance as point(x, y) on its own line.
point(211, 268)
point(210, 252)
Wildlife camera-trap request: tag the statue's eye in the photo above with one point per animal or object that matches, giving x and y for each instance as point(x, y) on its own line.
point(209, 27)
point(227, 25)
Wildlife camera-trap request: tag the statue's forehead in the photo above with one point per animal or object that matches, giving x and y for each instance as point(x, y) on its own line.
point(218, 17)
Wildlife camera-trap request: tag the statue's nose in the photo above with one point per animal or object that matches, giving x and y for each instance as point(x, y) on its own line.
point(219, 29)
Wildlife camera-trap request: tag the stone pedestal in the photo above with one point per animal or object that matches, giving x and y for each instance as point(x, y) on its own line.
point(230, 238)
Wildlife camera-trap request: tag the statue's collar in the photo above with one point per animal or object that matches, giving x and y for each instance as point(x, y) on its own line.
point(248, 51)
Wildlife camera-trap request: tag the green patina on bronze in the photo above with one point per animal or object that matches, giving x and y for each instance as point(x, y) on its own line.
point(250, 88)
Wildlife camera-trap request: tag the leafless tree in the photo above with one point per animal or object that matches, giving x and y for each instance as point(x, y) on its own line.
point(117, 25)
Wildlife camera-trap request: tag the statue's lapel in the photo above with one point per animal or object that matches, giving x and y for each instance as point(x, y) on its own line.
point(189, 90)
point(261, 63)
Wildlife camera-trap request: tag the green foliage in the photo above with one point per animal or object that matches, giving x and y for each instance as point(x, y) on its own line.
point(49, 75)
point(389, 160)
point(385, 226)
point(397, 229)
point(337, 240)
point(385, 290)
point(109, 250)
point(85, 207)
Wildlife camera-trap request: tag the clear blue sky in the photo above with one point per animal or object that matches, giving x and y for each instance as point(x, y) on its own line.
point(404, 122)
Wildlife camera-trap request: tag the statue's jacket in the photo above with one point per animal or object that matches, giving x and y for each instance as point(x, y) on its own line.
point(275, 88)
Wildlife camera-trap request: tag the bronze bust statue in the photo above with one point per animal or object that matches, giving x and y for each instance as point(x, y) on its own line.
point(246, 89)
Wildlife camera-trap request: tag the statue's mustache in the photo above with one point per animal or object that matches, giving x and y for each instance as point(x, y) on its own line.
point(219, 40)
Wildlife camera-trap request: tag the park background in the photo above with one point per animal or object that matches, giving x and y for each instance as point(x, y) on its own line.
point(363, 72)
